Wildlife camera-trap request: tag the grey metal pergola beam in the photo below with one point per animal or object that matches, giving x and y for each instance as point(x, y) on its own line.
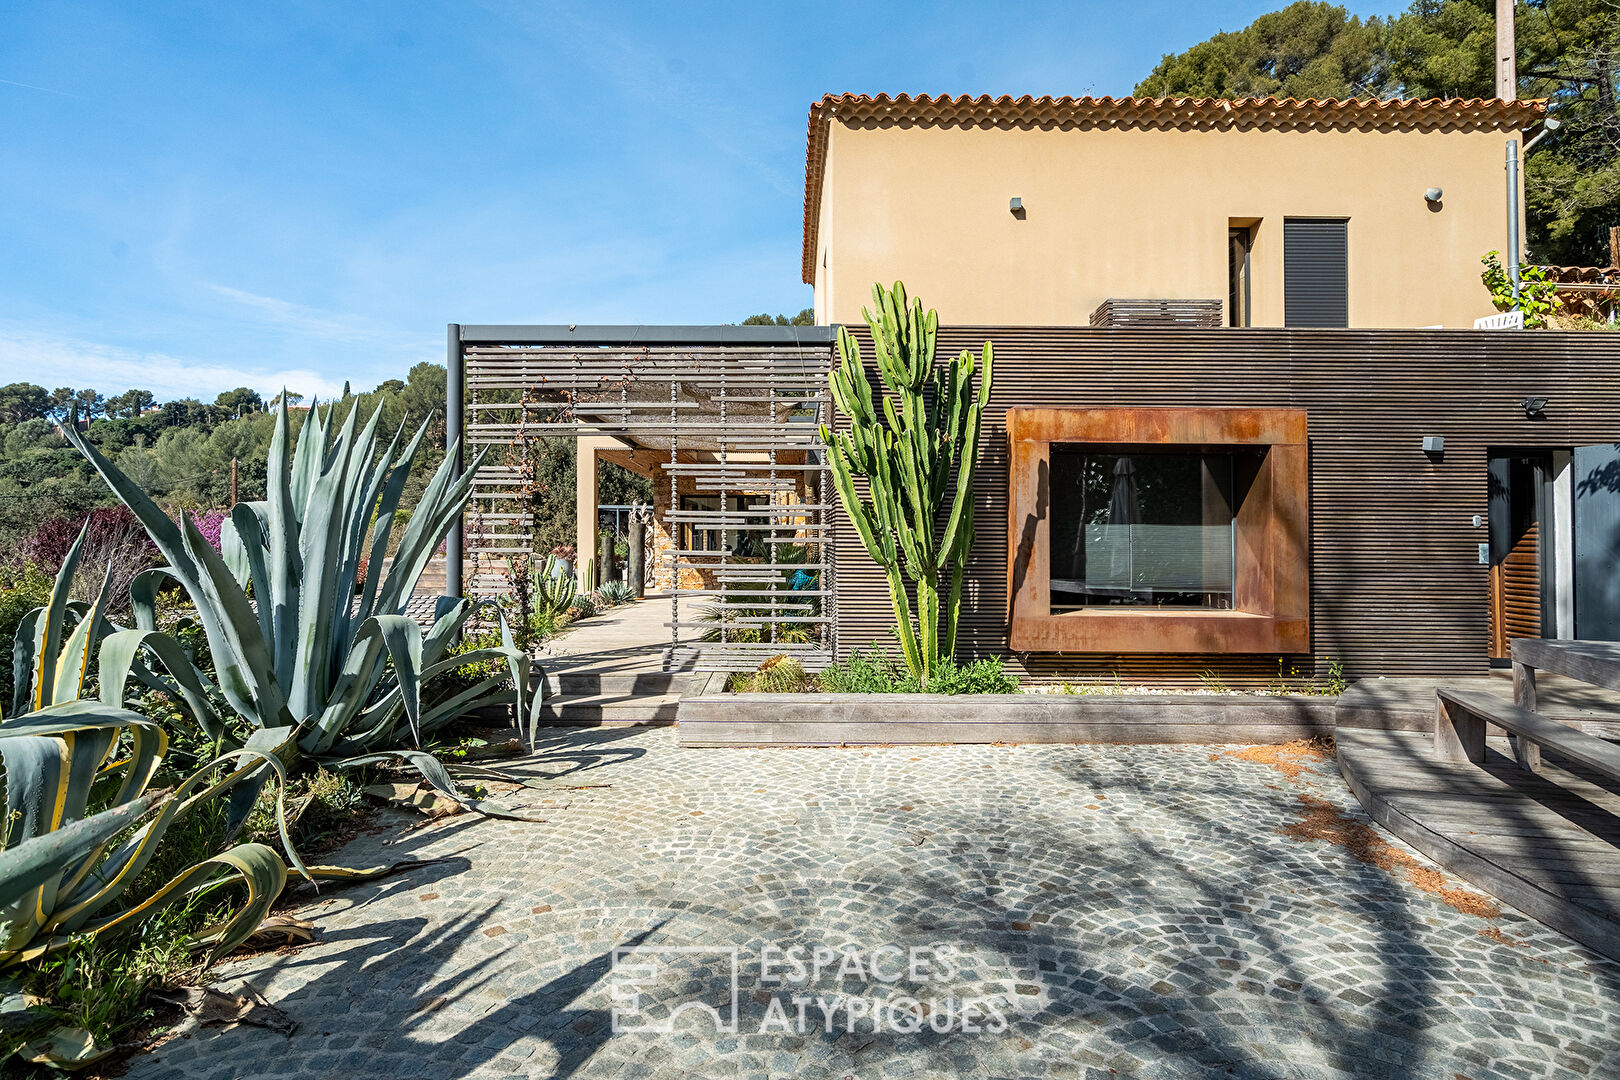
point(646, 335)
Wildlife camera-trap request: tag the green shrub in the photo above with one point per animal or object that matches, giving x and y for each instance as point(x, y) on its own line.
point(22, 589)
point(870, 672)
point(985, 676)
point(1538, 297)
point(476, 670)
point(875, 672)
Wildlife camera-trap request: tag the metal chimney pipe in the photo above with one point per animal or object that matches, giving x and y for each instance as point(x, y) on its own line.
point(1513, 214)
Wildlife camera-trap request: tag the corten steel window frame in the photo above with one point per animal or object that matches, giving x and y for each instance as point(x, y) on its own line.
point(1271, 595)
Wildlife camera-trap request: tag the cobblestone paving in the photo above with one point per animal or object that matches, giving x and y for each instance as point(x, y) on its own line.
point(1114, 911)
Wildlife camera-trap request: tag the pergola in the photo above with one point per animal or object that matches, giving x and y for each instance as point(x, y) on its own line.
point(716, 413)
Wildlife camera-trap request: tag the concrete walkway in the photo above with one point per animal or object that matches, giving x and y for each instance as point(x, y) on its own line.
point(1054, 911)
point(616, 667)
point(628, 638)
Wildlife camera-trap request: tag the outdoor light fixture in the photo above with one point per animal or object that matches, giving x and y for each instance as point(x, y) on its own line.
point(1551, 124)
point(1434, 444)
point(1016, 206)
point(1534, 407)
point(1433, 195)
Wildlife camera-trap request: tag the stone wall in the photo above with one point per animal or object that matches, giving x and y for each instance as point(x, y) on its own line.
point(663, 541)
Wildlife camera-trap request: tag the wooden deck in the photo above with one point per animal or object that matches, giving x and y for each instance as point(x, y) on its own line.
point(1544, 843)
point(1408, 704)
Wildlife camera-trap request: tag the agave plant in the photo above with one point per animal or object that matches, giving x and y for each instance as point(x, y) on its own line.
point(614, 593)
point(305, 657)
point(81, 821)
point(60, 868)
point(70, 851)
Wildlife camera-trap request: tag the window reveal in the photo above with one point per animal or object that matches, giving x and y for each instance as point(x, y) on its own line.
point(1141, 528)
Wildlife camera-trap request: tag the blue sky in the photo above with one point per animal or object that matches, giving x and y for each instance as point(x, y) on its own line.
point(198, 196)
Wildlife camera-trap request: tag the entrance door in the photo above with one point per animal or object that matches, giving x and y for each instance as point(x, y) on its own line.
point(1521, 579)
point(1597, 541)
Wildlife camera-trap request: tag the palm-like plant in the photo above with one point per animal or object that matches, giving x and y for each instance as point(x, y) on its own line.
point(304, 659)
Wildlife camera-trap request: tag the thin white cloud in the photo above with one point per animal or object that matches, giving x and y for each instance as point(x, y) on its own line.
point(304, 320)
point(51, 362)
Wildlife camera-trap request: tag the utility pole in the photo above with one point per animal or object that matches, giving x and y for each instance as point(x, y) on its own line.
point(233, 483)
point(1507, 61)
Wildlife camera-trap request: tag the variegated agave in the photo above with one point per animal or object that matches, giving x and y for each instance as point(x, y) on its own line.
point(341, 674)
point(64, 868)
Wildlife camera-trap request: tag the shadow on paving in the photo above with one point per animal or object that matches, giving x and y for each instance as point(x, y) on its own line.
point(562, 753)
point(1217, 949)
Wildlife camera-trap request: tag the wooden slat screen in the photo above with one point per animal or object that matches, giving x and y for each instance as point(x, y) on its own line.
point(1396, 585)
point(730, 419)
point(1173, 314)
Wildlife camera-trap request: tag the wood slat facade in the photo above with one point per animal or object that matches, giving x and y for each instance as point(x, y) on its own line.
point(1396, 585)
point(1115, 313)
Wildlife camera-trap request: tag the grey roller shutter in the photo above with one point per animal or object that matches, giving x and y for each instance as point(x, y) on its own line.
point(1316, 272)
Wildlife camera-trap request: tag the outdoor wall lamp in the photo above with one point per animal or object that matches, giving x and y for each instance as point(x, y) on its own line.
point(1434, 444)
point(1015, 204)
point(1534, 407)
point(1433, 195)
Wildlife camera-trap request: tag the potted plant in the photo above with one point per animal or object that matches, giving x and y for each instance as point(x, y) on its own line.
point(563, 560)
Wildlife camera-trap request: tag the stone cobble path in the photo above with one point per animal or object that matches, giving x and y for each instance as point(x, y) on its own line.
point(1073, 911)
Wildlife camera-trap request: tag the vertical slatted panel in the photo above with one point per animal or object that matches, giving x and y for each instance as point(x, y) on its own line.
point(743, 415)
point(1316, 273)
point(1396, 585)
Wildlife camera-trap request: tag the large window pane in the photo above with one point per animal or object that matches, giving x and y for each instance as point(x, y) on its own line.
point(1141, 528)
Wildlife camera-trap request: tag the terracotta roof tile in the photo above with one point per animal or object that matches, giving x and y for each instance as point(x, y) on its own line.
point(1276, 114)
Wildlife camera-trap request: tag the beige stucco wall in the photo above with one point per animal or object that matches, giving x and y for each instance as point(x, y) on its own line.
point(1144, 213)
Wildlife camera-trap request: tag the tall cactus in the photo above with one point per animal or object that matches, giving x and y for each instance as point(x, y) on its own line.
point(555, 585)
point(927, 429)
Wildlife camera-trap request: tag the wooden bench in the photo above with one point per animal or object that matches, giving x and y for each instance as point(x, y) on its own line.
point(1460, 717)
point(1594, 662)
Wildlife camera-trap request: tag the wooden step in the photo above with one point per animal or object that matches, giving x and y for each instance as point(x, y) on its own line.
point(610, 710)
point(579, 683)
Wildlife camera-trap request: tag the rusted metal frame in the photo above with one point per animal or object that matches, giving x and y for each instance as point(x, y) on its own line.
point(1272, 564)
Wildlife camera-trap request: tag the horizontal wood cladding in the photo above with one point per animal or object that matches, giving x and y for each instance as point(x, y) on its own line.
point(1179, 314)
point(1395, 582)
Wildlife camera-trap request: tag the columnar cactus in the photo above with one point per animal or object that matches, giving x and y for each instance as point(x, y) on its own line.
point(927, 429)
point(556, 585)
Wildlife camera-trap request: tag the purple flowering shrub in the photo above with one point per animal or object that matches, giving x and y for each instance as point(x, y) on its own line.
point(209, 524)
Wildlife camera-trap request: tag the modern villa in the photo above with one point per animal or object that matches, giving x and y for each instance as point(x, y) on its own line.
point(1241, 420)
point(1035, 211)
